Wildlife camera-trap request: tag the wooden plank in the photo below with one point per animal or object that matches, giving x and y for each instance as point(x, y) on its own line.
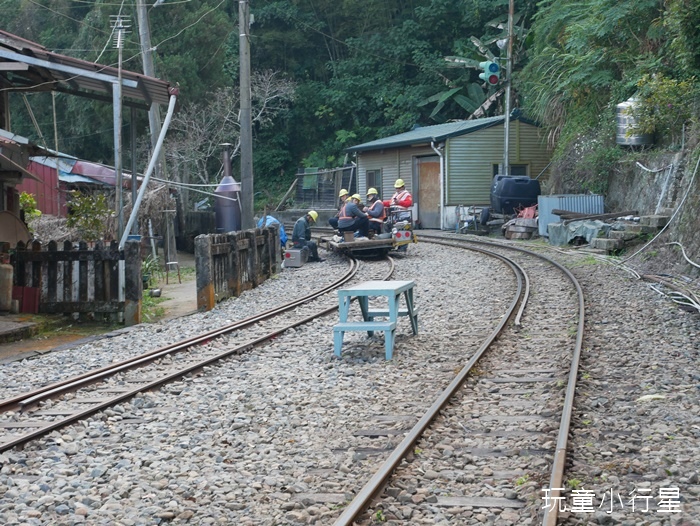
point(603, 216)
point(505, 433)
point(479, 502)
point(63, 255)
point(332, 498)
point(512, 418)
point(23, 425)
point(515, 380)
point(52, 274)
point(379, 432)
point(370, 243)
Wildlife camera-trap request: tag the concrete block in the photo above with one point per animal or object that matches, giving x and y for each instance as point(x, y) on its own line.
point(655, 221)
point(624, 235)
point(607, 244)
point(641, 229)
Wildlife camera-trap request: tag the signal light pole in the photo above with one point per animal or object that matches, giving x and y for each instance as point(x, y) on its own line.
point(509, 67)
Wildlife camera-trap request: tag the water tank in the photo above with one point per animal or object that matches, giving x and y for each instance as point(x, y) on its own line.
point(626, 124)
point(509, 192)
point(227, 208)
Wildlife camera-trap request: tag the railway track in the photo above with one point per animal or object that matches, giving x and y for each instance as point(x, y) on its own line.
point(286, 433)
point(34, 414)
point(498, 432)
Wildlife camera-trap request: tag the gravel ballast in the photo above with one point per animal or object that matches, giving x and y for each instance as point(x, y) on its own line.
point(253, 439)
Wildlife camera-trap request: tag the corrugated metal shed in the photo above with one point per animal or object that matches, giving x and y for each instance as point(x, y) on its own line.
point(580, 203)
point(74, 75)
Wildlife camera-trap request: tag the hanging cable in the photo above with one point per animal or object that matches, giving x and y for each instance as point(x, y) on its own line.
point(675, 213)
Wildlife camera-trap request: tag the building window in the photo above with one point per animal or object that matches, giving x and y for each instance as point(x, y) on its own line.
point(374, 180)
point(514, 169)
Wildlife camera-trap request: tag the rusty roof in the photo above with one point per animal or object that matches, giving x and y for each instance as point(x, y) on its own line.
point(26, 65)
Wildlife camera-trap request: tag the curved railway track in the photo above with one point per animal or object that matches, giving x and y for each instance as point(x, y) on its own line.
point(484, 398)
point(499, 400)
point(37, 413)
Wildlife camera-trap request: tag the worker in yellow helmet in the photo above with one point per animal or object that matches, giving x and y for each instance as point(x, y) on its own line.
point(301, 235)
point(402, 198)
point(352, 218)
point(343, 195)
point(375, 211)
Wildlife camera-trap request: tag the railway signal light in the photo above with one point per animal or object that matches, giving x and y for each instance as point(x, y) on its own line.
point(491, 72)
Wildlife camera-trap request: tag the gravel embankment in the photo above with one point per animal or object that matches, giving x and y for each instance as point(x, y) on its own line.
point(248, 441)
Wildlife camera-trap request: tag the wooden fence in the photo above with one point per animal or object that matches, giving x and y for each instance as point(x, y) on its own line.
point(78, 279)
point(228, 264)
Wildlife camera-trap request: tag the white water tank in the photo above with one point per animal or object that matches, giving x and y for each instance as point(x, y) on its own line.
point(626, 122)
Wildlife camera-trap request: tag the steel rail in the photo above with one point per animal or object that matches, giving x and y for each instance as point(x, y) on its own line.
point(26, 400)
point(378, 480)
point(559, 462)
point(75, 417)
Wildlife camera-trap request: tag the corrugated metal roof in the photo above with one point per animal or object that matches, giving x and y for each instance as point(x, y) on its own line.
point(73, 178)
point(40, 69)
point(436, 133)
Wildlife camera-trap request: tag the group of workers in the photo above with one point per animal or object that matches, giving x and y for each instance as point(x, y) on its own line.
point(368, 220)
point(352, 216)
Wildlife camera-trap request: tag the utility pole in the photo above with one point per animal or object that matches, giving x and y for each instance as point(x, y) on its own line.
point(509, 69)
point(149, 71)
point(247, 192)
point(117, 103)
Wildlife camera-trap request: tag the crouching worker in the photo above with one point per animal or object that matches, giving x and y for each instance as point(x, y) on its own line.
point(301, 235)
point(352, 219)
point(375, 211)
point(269, 220)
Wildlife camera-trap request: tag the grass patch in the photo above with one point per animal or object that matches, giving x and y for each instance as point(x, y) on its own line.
point(151, 310)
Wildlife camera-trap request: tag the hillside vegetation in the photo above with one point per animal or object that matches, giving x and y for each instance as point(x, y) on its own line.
point(329, 74)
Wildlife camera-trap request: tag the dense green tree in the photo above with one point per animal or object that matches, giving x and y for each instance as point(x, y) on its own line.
point(365, 69)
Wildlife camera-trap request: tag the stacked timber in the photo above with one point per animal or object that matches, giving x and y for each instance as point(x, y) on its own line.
point(520, 228)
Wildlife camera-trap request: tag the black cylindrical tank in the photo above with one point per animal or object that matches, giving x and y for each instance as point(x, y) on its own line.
point(509, 192)
point(227, 208)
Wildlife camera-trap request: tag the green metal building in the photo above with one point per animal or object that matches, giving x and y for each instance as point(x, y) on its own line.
point(448, 165)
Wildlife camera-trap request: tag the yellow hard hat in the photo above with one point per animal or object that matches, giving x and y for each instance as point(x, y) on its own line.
point(372, 191)
point(343, 192)
point(313, 214)
point(399, 183)
point(357, 196)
